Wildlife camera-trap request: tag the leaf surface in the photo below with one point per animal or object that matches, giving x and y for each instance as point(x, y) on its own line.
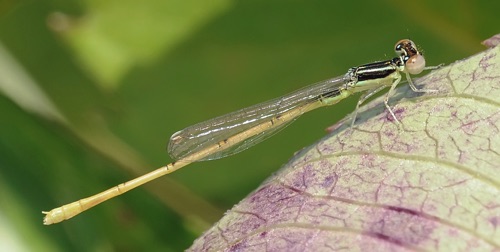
point(434, 185)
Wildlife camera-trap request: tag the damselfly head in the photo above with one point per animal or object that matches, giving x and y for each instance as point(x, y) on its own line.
point(406, 47)
point(408, 52)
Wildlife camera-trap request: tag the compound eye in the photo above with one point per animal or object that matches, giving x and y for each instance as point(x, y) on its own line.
point(415, 64)
point(399, 47)
point(405, 47)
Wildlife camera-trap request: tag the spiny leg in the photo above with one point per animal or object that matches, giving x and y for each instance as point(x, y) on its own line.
point(417, 90)
point(362, 99)
point(433, 67)
point(386, 100)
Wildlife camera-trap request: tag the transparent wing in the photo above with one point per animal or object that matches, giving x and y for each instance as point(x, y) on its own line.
point(200, 136)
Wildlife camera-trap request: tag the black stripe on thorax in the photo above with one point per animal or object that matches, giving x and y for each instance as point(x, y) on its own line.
point(375, 70)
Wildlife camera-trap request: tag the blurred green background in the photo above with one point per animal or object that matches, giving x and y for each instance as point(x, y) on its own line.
point(92, 90)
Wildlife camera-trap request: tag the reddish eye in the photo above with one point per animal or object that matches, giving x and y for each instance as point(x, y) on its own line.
point(400, 46)
point(415, 64)
point(405, 47)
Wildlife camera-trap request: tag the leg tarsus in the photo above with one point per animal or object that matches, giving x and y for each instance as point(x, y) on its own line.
point(415, 89)
point(386, 100)
point(434, 67)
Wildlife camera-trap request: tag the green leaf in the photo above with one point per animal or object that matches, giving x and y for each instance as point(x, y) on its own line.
point(115, 36)
point(434, 185)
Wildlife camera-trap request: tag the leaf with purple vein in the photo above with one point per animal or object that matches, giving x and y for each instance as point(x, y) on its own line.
point(435, 185)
